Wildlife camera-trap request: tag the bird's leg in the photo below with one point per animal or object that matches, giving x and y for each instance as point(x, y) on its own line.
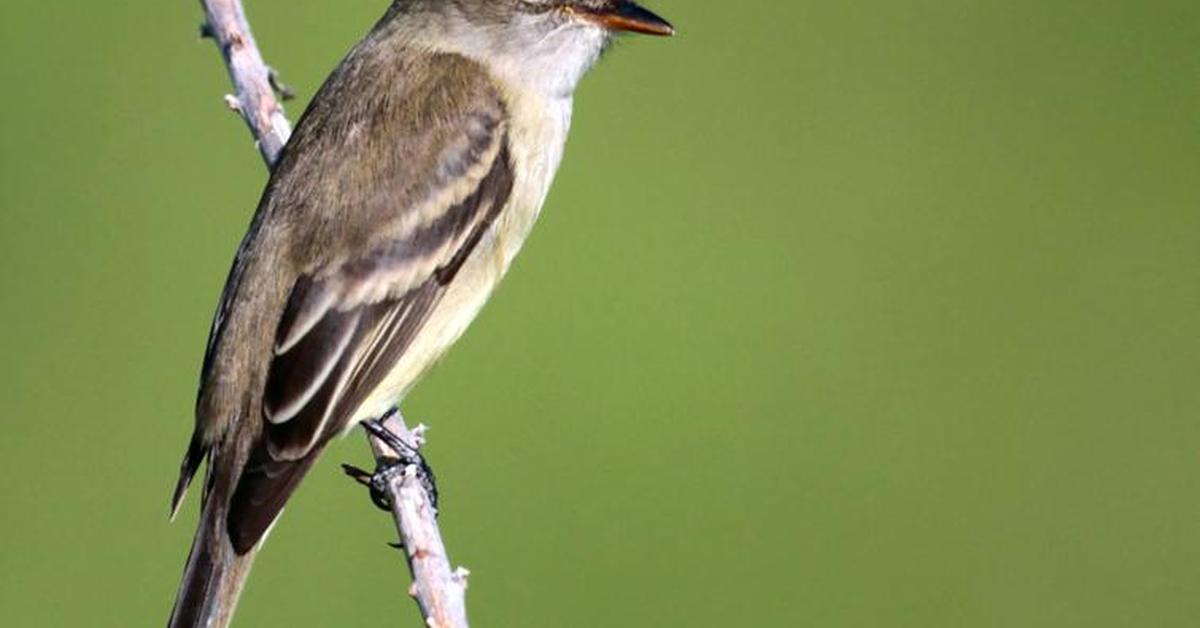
point(388, 468)
point(377, 429)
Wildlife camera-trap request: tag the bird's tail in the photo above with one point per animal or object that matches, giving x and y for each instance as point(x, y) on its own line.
point(215, 572)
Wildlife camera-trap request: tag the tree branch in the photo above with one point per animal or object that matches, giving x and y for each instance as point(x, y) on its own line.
point(254, 98)
point(439, 591)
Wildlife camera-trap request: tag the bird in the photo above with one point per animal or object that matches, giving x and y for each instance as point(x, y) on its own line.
point(408, 186)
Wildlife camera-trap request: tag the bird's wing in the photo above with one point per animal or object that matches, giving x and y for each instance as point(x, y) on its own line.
point(409, 218)
point(344, 328)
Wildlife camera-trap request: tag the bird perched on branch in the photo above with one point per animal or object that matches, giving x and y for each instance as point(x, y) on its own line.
point(397, 205)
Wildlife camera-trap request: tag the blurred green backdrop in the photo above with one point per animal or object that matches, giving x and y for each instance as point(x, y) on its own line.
point(840, 314)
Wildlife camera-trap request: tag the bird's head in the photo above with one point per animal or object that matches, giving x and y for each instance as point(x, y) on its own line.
point(546, 42)
point(610, 16)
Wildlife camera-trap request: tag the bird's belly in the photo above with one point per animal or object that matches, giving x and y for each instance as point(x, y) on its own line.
point(448, 320)
point(537, 136)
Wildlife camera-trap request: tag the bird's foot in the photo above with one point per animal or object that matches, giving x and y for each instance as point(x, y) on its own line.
point(377, 482)
point(389, 468)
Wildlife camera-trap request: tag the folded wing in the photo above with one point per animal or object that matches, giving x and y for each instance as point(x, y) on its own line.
point(349, 319)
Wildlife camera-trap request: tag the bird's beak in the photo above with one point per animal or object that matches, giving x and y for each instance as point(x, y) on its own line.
point(622, 15)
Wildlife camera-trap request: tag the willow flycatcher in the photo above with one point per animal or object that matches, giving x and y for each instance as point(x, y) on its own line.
point(399, 202)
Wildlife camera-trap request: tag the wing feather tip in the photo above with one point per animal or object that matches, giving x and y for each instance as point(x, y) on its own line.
point(187, 470)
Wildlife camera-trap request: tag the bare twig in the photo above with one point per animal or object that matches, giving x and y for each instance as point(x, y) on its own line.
point(254, 97)
point(439, 591)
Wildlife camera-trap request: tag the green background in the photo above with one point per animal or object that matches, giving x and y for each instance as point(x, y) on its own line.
point(839, 314)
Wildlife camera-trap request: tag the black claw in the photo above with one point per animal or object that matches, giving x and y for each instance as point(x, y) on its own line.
point(399, 546)
point(358, 475)
point(206, 31)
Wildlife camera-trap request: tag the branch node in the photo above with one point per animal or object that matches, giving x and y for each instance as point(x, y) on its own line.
point(225, 23)
point(460, 576)
point(284, 90)
point(418, 435)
